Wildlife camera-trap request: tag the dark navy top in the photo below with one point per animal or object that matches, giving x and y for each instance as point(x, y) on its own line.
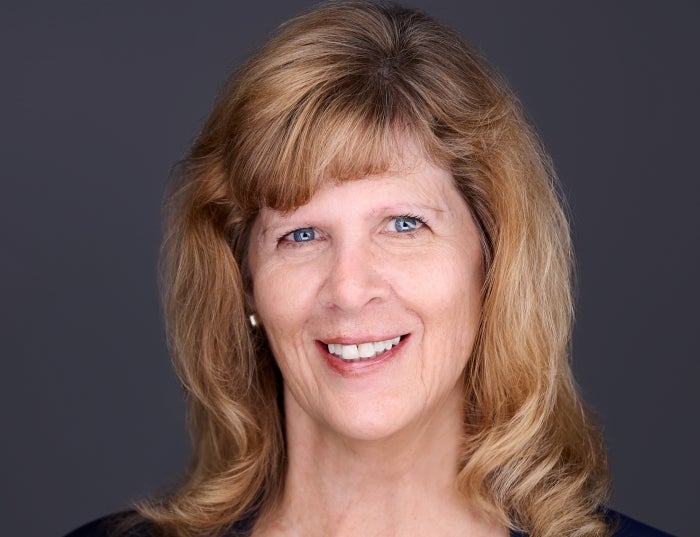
point(103, 527)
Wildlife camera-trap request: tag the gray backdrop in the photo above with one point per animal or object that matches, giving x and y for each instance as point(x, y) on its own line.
point(101, 99)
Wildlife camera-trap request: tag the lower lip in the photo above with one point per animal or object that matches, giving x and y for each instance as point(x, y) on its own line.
point(360, 366)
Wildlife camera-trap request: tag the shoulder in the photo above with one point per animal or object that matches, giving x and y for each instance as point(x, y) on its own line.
point(131, 524)
point(628, 527)
point(623, 526)
point(125, 524)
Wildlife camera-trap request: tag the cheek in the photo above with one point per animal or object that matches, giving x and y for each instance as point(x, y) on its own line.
point(284, 301)
point(448, 280)
point(277, 307)
point(283, 297)
point(447, 296)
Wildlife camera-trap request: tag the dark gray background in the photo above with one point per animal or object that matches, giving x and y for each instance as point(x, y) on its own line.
point(101, 99)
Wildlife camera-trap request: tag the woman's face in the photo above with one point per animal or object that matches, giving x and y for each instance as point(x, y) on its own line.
point(370, 297)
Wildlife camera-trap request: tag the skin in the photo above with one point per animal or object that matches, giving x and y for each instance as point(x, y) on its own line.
point(373, 446)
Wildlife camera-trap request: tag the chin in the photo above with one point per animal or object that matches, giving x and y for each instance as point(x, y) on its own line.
point(373, 421)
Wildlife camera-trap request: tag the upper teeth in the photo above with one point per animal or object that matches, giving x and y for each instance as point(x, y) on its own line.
point(362, 351)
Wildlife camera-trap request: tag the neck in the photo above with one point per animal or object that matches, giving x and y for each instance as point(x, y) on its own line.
point(403, 484)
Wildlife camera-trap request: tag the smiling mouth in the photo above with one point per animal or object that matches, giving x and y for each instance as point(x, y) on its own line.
point(362, 351)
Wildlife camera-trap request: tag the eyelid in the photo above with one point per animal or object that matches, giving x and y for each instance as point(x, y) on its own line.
point(421, 219)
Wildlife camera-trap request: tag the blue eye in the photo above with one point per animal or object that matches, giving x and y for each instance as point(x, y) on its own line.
point(304, 234)
point(404, 224)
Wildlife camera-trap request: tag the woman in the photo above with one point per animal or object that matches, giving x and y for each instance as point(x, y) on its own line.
point(367, 285)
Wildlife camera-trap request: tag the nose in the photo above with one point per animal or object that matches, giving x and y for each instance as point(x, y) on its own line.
point(356, 277)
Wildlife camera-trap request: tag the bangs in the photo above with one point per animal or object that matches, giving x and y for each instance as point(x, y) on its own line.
point(350, 130)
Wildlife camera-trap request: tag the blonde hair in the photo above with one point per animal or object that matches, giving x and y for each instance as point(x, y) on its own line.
point(337, 93)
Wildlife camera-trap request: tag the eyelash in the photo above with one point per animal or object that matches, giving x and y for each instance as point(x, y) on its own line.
point(282, 239)
point(422, 221)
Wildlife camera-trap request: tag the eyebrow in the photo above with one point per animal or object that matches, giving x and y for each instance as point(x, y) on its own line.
point(418, 207)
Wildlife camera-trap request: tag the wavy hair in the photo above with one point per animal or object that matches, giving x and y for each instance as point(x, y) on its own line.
point(336, 93)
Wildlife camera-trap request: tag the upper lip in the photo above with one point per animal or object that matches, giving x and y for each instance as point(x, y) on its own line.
point(354, 340)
